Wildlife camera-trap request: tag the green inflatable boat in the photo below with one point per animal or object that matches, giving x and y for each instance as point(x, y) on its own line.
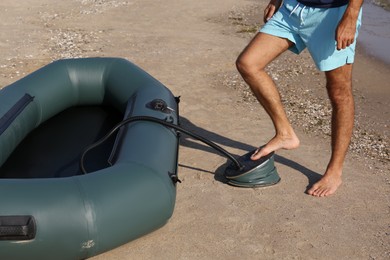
point(50, 207)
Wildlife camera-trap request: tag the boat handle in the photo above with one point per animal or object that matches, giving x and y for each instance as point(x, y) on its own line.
point(17, 227)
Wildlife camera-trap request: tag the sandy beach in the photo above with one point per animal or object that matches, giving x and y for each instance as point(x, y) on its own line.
point(191, 47)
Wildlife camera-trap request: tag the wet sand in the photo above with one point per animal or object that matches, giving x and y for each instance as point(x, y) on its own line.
point(374, 35)
point(191, 48)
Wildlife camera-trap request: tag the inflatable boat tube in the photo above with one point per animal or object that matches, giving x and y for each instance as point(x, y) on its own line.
point(58, 212)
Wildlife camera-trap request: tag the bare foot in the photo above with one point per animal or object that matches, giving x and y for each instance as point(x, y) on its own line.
point(326, 186)
point(287, 142)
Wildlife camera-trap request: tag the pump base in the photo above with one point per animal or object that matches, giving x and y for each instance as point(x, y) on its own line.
point(259, 173)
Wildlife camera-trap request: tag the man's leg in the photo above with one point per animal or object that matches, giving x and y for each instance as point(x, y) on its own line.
point(339, 87)
point(251, 63)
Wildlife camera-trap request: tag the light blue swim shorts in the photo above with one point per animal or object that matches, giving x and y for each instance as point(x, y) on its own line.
point(314, 28)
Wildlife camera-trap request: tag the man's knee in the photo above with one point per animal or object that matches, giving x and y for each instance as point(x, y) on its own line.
point(246, 66)
point(243, 65)
point(339, 91)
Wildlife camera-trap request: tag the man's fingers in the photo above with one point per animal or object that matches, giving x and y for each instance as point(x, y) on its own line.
point(268, 13)
point(342, 44)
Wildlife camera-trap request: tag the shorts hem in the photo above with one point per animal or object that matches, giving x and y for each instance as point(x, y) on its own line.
point(334, 65)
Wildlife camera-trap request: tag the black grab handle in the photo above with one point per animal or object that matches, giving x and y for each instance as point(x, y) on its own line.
point(17, 227)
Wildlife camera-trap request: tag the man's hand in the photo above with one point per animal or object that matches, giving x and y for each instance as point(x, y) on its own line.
point(346, 30)
point(271, 9)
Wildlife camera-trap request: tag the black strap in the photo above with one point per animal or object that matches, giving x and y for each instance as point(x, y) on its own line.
point(7, 119)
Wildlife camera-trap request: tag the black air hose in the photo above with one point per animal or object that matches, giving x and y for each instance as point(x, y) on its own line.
point(162, 122)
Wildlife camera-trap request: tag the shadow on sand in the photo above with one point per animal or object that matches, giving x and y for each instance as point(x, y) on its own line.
point(226, 142)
